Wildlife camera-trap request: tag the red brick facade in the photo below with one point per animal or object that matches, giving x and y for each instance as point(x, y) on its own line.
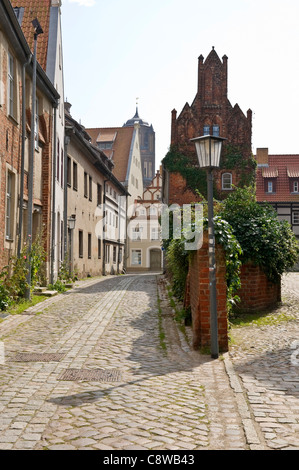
point(211, 112)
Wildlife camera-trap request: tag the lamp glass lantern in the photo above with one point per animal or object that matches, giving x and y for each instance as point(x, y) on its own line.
point(208, 149)
point(71, 223)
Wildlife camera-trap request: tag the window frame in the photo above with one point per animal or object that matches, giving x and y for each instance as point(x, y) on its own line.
point(223, 183)
point(134, 251)
point(295, 214)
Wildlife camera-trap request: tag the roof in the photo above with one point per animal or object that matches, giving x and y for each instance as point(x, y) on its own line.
point(39, 9)
point(136, 118)
point(120, 152)
point(282, 168)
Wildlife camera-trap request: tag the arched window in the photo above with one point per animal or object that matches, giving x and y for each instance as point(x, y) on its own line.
point(227, 181)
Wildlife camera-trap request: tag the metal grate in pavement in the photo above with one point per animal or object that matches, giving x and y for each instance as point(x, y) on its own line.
point(91, 375)
point(38, 357)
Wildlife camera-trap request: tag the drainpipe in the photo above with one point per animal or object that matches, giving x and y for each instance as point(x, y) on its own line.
point(21, 198)
point(104, 219)
point(66, 143)
point(53, 197)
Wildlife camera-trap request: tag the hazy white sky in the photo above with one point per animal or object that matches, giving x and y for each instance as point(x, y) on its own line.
point(118, 50)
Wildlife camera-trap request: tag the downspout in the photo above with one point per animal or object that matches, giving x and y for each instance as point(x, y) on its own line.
point(21, 198)
point(104, 219)
point(66, 143)
point(53, 196)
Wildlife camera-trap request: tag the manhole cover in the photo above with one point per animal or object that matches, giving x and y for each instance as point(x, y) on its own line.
point(91, 375)
point(38, 357)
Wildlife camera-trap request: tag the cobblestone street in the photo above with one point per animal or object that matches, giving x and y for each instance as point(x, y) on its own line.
point(105, 367)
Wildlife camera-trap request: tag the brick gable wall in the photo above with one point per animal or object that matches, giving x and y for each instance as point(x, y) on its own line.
point(211, 107)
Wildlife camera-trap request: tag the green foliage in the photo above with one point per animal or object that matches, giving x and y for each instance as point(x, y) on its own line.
point(178, 263)
point(232, 159)
point(224, 236)
point(59, 286)
point(265, 240)
point(176, 162)
point(13, 278)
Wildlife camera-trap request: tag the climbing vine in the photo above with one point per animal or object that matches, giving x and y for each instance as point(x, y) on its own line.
point(232, 159)
point(176, 162)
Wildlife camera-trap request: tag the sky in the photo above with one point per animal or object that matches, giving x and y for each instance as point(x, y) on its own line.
point(120, 52)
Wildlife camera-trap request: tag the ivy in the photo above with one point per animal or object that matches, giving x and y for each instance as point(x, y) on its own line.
point(178, 258)
point(176, 162)
point(233, 159)
point(265, 240)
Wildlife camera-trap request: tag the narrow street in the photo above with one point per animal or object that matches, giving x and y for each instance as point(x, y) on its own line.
point(104, 367)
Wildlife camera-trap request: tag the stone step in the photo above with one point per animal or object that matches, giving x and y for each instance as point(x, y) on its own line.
point(46, 293)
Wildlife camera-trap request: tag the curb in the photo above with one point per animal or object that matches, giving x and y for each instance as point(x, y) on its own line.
point(252, 437)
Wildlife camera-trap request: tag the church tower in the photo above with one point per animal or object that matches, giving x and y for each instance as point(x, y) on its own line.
point(147, 147)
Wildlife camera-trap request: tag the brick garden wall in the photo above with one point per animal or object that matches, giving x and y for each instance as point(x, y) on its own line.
point(257, 292)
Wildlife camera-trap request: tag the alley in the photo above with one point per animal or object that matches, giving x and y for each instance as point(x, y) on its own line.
point(103, 366)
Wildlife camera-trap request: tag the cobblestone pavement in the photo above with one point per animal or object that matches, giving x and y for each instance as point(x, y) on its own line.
point(148, 389)
point(156, 394)
point(266, 358)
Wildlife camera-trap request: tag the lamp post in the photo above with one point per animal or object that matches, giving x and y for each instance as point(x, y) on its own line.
point(37, 30)
point(208, 149)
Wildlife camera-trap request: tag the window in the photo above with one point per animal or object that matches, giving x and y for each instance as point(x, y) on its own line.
point(136, 257)
point(69, 171)
point(295, 187)
point(89, 246)
point(227, 181)
point(107, 253)
point(295, 217)
point(114, 254)
point(90, 188)
point(216, 131)
point(9, 206)
point(58, 160)
point(270, 187)
point(99, 248)
point(11, 85)
point(80, 244)
point(206, 130)
point(62, 167)
point(154, 233)
point(136, 233)
point(75, 176)
point(85, 185)
point(99, 194)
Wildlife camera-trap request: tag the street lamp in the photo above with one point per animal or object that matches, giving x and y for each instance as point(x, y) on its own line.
point(208, 149)
point(37, 30)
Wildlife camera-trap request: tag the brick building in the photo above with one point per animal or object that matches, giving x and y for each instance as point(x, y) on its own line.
point(17, 138)
point(210, 113)
point(277, 182)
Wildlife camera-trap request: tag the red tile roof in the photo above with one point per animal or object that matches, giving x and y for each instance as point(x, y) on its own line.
point(39, 9)
point(120, 152)
point(281, 167)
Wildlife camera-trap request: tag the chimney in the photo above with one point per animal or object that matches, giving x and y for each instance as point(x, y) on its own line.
point(67, 107)
point(262, 156)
